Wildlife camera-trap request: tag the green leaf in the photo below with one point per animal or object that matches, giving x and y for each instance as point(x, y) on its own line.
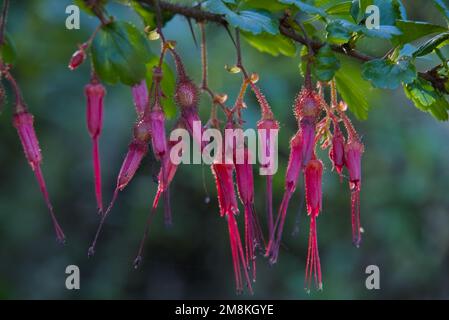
point(325, 64)
point(384, 32)
point(254, 21)
point(119, 53)
point(341, 8)
point(338, 33)
point(431, 45)
point(307, 8)
point(353, 88)
point(8, 50)
point(168, 84)
point(442, 7)
point(414, 30)
point(358, 9)
point(387, 74)
point(269, 5)
point(390, 10)
point(427, 99)
point(148, 16)
point(272, 44)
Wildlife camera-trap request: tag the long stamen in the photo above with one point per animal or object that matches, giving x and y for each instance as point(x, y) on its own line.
point(40, 178)
point(97, 174)
point(91, 250)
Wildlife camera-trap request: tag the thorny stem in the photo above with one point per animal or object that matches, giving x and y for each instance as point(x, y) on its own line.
point(310, 53)
point(204, 82)
point(3, 21)
point(20, 104)
point(333, 94)
point(198, 14)
point(157, 8)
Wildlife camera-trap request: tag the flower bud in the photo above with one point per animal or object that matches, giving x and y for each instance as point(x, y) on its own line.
point(313, 175)
point(95, 93)
point(140, 97)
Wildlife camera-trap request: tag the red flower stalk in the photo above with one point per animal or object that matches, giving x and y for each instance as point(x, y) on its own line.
point(337, 151)
point(228, 208)
point(264, 127)
point(95, 93)
point(353, 160)
point(291, 178)
point(140, 97)
point(313, 177)
point(23, 122)
point(245, 187)
point(307, 110)
point(78, 57)
point(137, 150)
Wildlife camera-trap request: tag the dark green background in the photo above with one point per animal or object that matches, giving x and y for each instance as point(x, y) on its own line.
point(404, 198)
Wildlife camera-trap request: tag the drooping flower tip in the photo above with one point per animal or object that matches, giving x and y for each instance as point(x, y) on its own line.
point(136, 152)
point(186, 94)
point(353, 160)
point(307, 104)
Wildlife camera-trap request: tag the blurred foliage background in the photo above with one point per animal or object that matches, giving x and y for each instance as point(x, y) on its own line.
point(404, 198)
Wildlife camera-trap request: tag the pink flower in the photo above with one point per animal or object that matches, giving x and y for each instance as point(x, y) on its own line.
point(245, 187)
point(313, 177)
point(353, 161)
point(228, 208)
point(95, 93)
point(293, 169)
point(265, 127)
point(137, 150)
point(337, 151)
point(307, 110)
point(158, 137)
point(140, 97)
point(23, 122)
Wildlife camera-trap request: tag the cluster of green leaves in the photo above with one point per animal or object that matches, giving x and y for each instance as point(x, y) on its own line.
point(120, 51)
point(342, 23)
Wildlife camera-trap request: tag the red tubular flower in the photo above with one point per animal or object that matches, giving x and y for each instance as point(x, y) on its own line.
point(140, 97)
point(228, 208)
point(137, 150)
point(78, 57)
point(291, 178)
point(353, 161)
point(313, 177)
point(158, 137)
point(245, 187)
point(337, 151)
point(23, 122)
point(307, 110)
point(264, 127)
point(95, 93)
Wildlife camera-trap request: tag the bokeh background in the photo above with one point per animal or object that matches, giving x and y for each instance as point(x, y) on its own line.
point(405, 199)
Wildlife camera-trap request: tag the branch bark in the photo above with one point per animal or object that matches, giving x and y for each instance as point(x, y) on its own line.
point(203, 16)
